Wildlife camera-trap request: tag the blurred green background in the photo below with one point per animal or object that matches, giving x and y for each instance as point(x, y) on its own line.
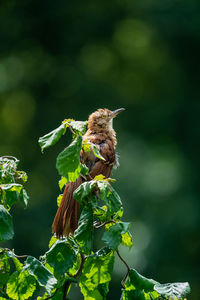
point(63, 59)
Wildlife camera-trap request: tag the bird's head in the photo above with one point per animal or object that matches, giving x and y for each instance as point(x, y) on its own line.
point(102, 119)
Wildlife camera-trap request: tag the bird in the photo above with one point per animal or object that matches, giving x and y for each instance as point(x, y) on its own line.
point(100, 132)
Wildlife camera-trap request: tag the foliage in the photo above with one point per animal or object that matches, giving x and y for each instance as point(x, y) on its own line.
point(73, 259)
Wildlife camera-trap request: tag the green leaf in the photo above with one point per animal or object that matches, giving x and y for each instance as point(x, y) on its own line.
point(8, 167)
point(84, 169)
point(59, 199)
point(110, 198)
point(68, 161)
point(79, 126)
point(4, 268)
point(52, 241)
point(96, 152)
point(22, 175)
point(107, 194)
point(113, 237)
point(135, 295)
point(140, 287)
point(44, 277)
point(11, 193)
point(14, 192)
point(127, 239)
point(24, 197)
point(84, 190)
point(62, 182)
point(96, 274)
point(18, 264)
point(52, 137)
point(61, 257)
point(84, 233)
point(140, 282)
point(21, 285)
point(177, 290)
point(6, 225)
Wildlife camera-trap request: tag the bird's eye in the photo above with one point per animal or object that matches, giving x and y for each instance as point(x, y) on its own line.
point(103, 116)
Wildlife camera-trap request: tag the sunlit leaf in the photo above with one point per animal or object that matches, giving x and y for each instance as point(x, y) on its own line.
point(61, 256)
point(79, 126)
point(4, 268)
point(21, 285)
point(174, 290)
point(18, 264)
point(84, 233)
point(52, 241)
point(127, 239)
point(14, 192)
point(96, 152)
point(52, 137)
point(113, 237)
point(84, 190)
point(62, 182)
point(68, 161)
point(110, 197)
point(144, 288)
point(59, 199)
point(44, 277)
point(96, 275)
point(106, 193)
point(22, 175)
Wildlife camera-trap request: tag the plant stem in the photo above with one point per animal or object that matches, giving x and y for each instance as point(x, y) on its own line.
point(103, 224)
point(65, 289)
point(17, 256)
point(128, 268)
point(81, 266)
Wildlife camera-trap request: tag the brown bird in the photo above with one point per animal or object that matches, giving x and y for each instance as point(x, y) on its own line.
point(101, 133)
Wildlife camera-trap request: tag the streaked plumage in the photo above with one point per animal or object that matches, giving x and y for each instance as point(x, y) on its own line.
point(101, 133)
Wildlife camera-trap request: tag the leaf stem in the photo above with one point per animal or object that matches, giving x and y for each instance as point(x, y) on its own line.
point(70, 127)
point(65, 289)
point(81, 266)
point(128, 268)
point(17, 256)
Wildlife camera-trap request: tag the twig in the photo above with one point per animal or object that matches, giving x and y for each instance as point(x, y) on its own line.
point(103, 224)
point(128, 268)
point(67, 283)
point(70, 127)
point(81, 266)
point(65, 290)
point(17, 256)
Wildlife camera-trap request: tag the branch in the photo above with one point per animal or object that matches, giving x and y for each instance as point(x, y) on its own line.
point(65, 290)
point(103, 224)
point(128, 268)
point(67, 283)
point(81, 266)
point(17, 256)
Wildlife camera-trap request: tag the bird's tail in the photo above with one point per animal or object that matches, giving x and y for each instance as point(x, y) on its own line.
point(66, 219)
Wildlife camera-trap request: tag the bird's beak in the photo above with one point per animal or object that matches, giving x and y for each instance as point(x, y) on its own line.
point(116, 112)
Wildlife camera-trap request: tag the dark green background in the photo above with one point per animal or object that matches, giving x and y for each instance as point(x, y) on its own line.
point(61, 59)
